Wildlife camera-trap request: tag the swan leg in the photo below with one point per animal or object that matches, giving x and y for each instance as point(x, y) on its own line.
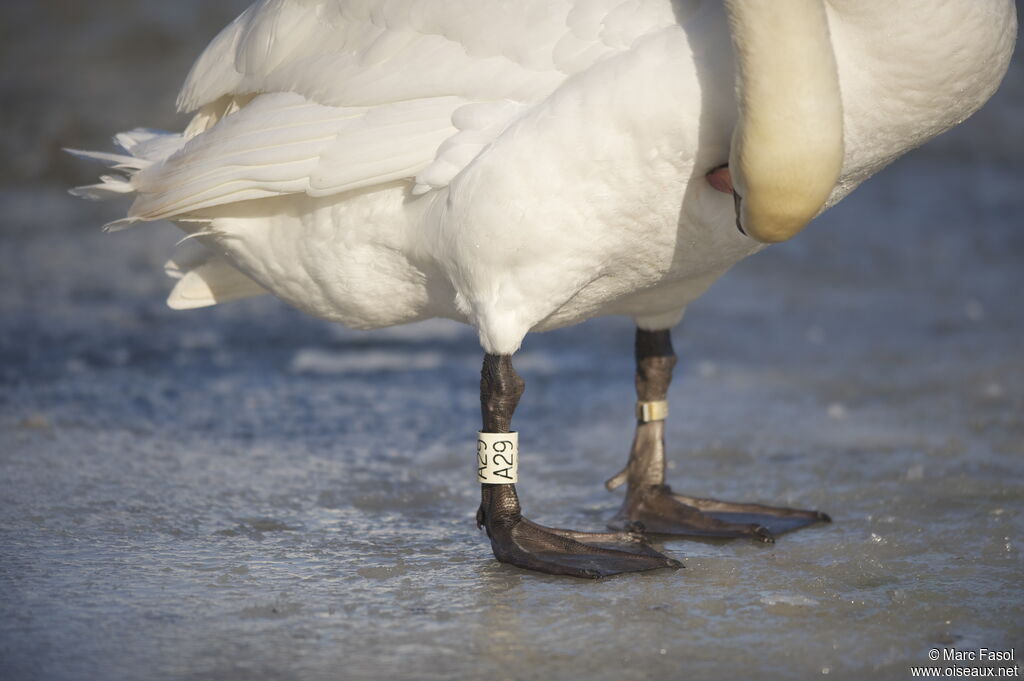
point(523, 543)
point(650, 504)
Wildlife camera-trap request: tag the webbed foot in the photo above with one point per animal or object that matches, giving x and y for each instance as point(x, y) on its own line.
point(658, 510)
point(649, 502)
point(523, 543)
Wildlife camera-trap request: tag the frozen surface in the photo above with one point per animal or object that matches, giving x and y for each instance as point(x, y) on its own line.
point(247, 493)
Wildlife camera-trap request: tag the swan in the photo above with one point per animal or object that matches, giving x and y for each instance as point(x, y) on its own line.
point(522, 166)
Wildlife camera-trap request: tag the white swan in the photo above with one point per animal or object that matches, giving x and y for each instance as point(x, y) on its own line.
point(526, 165)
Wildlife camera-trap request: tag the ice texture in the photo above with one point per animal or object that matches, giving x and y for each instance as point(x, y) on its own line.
point(244, 492)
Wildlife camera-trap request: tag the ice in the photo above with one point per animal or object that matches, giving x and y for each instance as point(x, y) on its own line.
point(836, 410)
point(787, 599)
point(317, 361)
point(242, 492)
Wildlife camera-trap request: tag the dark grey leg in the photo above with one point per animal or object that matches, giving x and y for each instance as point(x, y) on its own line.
point(651, 503)
point(525, 544)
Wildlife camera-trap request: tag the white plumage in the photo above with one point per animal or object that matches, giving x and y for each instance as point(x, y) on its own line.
point(515, 165)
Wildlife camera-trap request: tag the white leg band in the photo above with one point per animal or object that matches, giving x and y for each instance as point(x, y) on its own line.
point(652, 411)
point(497, 458)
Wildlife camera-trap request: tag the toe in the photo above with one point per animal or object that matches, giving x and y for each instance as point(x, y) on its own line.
point(762, 534)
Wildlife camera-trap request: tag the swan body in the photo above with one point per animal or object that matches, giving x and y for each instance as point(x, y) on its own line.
point(525, 165)
point(520, 166)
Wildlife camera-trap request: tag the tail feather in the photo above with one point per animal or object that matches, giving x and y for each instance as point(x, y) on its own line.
point(109, 187)
point(118, 225)
point(115, 161)
point(144, 147)
point(149, 145)
point(206, 281)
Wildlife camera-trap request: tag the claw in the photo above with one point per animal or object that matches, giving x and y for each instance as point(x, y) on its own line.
point(635, 527)
point(480, 518)
point(763, 534)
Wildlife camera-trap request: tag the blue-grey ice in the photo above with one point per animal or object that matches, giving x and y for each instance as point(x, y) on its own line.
point(243, 492)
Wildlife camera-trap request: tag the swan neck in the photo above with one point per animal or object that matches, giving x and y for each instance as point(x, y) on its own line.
point(787, 149)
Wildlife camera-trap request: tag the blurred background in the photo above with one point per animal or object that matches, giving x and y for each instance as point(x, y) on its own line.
point(245, 492)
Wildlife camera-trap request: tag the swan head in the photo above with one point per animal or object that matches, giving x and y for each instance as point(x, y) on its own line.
point(787, 147)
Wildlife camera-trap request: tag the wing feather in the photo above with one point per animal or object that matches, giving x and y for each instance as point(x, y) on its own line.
point(326, 96)
point(281, 143)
